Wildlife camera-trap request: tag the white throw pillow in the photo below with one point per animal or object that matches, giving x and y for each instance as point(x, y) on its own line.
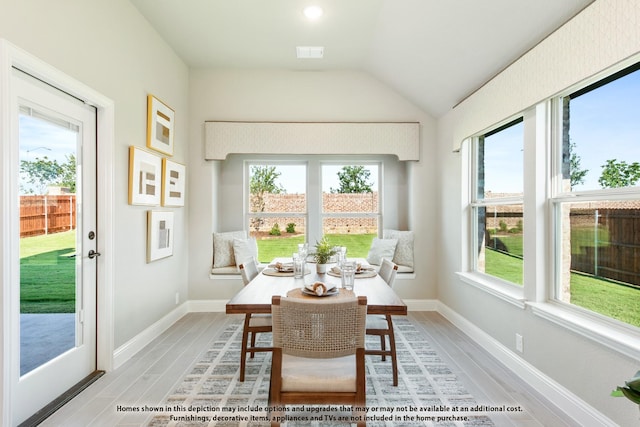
point(223, 248)
point(404, 249)
point(245, 250)
point(381, 248)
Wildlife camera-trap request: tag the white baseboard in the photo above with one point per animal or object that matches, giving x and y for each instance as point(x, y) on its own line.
point(137, 343)
point(575, 408)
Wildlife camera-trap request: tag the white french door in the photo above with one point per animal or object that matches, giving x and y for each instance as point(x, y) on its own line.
point(53, 298)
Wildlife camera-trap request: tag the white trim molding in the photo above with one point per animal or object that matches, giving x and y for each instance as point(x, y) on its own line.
point(576, 408)
point(396, 138)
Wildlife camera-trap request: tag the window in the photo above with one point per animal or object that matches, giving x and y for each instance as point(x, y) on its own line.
point(497, 202)
point(595, 201)
point(282, 199)
point(350, 206)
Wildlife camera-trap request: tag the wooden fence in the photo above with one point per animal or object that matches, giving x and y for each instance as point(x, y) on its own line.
point(616, 256)
point(47, 214)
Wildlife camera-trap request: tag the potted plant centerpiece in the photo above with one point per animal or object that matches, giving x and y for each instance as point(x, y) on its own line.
point(322, 255)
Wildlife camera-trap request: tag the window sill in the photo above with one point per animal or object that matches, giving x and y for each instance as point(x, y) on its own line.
point(504, 291)
point(620, 338)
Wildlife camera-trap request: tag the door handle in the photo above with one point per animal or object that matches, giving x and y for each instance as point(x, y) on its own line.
point(93, 254)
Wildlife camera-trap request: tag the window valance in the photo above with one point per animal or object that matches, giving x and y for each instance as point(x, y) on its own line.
point(398, 138)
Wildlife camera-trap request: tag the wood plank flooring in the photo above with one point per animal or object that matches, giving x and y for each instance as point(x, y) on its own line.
point(149, 376)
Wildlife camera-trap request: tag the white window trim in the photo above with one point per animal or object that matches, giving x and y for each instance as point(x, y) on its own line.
point(618, 336)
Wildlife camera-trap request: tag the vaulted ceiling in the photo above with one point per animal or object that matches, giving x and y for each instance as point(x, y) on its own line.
point(433, 52)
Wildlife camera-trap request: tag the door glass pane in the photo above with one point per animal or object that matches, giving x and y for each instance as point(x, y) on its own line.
point(48, 263)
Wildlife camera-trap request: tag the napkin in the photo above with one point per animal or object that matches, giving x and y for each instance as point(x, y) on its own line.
point(319, 288)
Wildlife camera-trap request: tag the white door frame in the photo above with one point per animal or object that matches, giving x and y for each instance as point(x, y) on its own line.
point(11, 56)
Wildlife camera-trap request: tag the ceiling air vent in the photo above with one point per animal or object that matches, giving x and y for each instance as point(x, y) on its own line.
point(309, 52)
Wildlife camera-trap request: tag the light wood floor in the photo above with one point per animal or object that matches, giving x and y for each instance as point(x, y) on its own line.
point(151, 374)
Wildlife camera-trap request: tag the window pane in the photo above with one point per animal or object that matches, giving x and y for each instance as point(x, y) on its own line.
point(350, 188)
point(354, 233)
point(600, 258)
point(277, 236)
point(499, 244)
point(277, 188)
point(601, 134)
point(500, 163)
point(277, 206)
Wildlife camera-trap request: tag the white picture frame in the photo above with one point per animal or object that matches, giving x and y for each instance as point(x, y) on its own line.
point(145, 177)
point(159, 235)
point(173, 183)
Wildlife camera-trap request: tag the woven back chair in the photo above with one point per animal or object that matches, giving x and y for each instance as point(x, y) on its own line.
point(318, 353)
point(253, 323)
point(382, 325)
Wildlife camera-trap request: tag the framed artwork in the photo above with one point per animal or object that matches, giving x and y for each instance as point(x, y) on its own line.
point(160, 118)
point(159, 235)
point(173, 183)
point(145, 174)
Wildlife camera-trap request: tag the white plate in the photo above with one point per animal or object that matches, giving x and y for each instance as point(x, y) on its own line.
point(332, 291)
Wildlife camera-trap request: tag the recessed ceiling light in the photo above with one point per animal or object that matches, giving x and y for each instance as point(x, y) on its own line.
point(310, 52)
point(313, 12)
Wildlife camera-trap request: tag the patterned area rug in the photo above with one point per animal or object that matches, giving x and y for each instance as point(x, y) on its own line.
point(428, 392)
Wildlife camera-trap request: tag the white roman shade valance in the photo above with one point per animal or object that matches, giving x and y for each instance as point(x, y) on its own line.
point(223, 138)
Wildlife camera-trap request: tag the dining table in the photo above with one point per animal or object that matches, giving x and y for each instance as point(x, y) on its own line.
point(256, 296)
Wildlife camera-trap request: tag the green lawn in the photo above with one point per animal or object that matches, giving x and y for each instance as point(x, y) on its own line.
point(357, 245)
point(599, 295)
point(47, 273)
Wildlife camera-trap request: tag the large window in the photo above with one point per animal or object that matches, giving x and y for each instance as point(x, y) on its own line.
point(596, 203)
point(291, 203)
point(497, 203)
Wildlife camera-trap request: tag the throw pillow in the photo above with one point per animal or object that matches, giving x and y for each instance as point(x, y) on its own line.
point(223, 248)
point(245, 250)
point(404, 250)
point(381, 248)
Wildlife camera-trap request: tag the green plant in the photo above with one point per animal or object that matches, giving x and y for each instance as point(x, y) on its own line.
point(324, 251)
point(631, 389)
point(291, 227)
point(275, 230)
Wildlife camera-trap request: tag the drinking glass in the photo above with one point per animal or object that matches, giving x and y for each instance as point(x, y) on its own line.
point(348, 274)
point(298, 266)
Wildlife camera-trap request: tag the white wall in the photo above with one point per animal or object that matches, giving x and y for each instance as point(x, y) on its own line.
point(281, 95)
point(109, 47)
point(605, 33)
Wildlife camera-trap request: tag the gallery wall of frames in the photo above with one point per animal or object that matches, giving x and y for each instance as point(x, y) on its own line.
point(156, 180)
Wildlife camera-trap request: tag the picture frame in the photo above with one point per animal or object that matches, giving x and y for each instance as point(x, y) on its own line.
point(160, 126)
point(173, 183)
point(159, 235)
point(145, 177)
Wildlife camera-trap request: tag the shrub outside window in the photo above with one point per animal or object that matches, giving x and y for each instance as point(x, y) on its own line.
point(497, 202)
point(596, 204)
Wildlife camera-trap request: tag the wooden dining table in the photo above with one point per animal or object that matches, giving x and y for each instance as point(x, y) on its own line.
point(256, 296)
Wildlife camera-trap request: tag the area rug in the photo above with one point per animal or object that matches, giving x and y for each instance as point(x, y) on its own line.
point(428, 392)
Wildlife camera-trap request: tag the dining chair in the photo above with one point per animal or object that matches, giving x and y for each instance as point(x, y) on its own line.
point(318, 354)
point(253, 323)
point(382, 325)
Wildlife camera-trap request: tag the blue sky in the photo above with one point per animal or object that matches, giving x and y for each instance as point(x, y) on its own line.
point(39, 138)
point(293, 178)
point(605, 124)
